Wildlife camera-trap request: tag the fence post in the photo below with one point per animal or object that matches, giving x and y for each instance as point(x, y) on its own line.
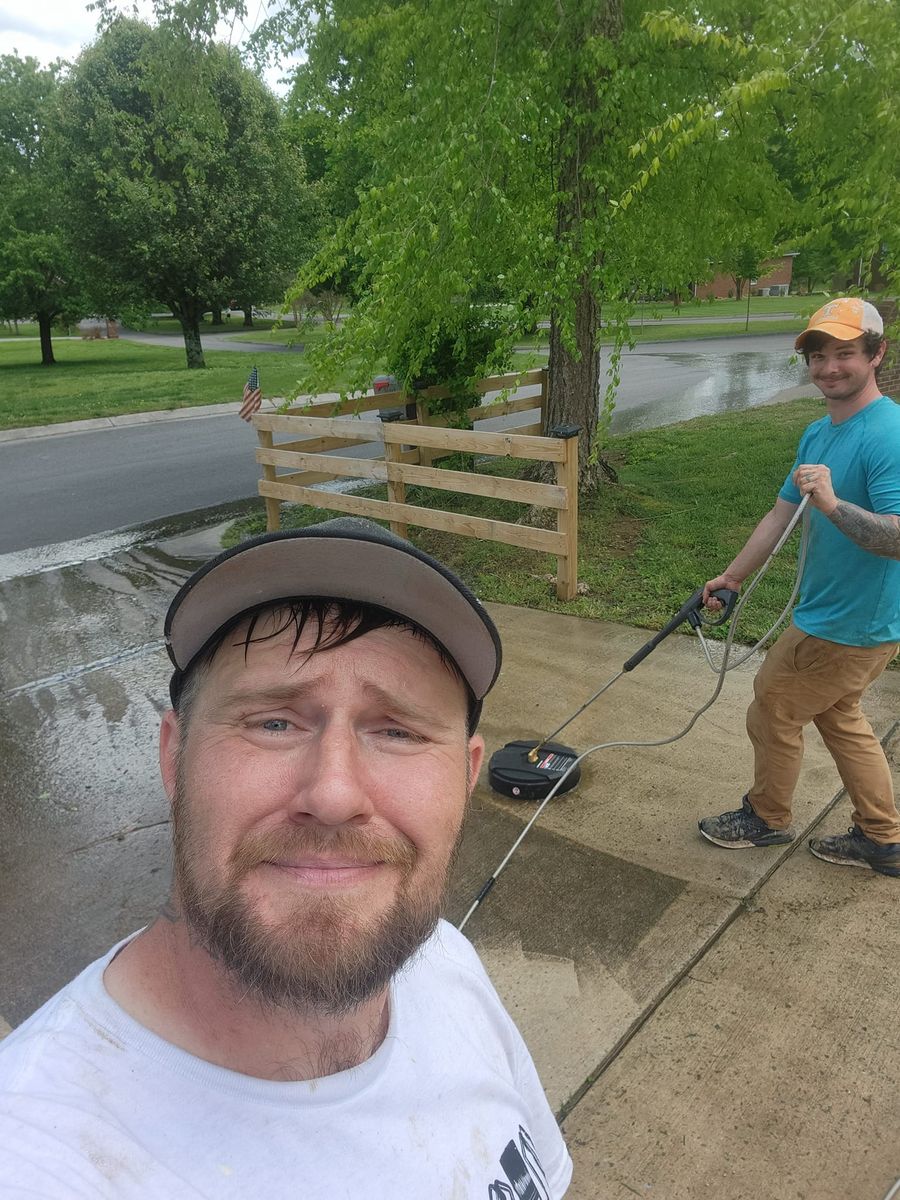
point(273, 506)
point(396, 488)
point(426, 456)
point(567, 518)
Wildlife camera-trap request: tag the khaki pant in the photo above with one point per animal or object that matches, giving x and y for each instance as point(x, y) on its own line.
point(807, 679)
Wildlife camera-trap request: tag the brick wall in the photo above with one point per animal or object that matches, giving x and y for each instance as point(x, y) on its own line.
point(888, 374)
point(780, 271)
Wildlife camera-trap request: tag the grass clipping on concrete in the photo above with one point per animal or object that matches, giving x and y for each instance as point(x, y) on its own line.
point(687, 498)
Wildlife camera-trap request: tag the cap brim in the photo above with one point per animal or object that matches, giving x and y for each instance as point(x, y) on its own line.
point(844, 333)
point(377, 569)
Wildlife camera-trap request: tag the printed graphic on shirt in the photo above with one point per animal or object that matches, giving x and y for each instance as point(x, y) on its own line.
point(524, 1173)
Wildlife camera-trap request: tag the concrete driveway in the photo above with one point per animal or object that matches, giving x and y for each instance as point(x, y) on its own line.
point(708, 1023)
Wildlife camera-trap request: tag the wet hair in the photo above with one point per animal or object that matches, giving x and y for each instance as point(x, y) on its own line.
point(336, 623)
point(871, 343)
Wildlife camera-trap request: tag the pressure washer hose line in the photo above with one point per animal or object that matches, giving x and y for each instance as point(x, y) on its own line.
point(721, 670)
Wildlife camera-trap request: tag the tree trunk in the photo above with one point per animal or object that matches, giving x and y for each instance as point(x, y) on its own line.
point(215, 316)
point(248, 315)
point(188, 313)
point(573, 394)
point(47, 359)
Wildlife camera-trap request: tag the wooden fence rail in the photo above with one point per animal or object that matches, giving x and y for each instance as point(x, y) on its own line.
point(412, 440)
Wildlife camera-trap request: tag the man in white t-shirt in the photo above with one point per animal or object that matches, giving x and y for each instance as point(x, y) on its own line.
point(297, 1021)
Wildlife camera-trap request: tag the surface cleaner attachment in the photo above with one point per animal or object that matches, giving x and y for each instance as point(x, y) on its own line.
point(512, 773)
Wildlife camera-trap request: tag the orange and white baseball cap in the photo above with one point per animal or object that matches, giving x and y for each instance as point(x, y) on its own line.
point(846, 318)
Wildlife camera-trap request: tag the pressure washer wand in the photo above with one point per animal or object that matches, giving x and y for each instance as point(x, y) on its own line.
point(687, 612)
point(690, 611)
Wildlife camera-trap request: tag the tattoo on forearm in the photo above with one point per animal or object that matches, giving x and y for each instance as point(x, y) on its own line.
point(874, 532)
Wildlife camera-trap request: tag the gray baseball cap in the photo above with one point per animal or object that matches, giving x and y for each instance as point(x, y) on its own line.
point(345, 559)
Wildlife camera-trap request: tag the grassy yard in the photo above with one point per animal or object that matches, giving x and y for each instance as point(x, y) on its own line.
point(672, 333)
point(688, 496)
point(759, 305)
point(108, 378)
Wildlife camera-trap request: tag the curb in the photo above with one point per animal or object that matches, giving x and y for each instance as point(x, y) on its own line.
point(126, 419)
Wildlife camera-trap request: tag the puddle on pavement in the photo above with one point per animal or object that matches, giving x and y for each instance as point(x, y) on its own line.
point(729, 383)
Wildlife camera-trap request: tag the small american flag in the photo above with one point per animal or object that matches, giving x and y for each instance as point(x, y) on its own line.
point(252, 397)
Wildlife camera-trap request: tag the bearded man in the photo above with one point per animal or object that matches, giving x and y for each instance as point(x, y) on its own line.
point(298, 1020)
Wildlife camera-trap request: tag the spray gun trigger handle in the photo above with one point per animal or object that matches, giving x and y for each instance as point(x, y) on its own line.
point(728, 599)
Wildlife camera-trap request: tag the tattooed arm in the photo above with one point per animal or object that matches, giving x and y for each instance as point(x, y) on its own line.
point(877, 533)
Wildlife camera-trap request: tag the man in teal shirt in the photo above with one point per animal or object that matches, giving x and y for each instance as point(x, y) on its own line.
point(846, 626)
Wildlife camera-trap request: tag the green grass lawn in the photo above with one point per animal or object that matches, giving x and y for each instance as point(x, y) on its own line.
point(674, 332)
point(108, 378)
point(688, 496)
point(759, 305)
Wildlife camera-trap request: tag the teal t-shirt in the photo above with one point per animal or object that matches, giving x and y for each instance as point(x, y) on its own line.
point(848, 595)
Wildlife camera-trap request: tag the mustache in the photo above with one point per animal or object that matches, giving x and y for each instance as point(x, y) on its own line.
point(278, 845)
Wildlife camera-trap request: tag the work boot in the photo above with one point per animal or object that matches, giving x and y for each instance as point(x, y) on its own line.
point(854, 849)
point(742, 830)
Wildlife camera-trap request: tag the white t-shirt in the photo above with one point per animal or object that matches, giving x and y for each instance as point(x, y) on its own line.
point(93, 1106)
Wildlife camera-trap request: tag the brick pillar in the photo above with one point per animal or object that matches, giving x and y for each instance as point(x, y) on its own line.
point(888, 374)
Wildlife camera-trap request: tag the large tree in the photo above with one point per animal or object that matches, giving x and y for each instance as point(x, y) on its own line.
point(501, 138)
point(574, 151)
point(39, 273)
point(186, 195)
point(829, 73)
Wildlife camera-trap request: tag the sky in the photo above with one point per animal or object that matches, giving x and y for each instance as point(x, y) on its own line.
point(52, 29)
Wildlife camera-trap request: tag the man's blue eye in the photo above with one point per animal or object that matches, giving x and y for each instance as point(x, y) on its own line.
point(275, 725)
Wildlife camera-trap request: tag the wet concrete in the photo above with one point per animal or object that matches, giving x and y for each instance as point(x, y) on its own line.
point(84, 852)
point(596, 934)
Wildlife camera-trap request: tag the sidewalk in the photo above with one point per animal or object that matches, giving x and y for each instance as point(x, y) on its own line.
point(716, 1025)
point(62, 428)
point(712, 1024)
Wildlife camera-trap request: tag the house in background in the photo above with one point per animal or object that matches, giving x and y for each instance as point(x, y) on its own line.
point(774, 281)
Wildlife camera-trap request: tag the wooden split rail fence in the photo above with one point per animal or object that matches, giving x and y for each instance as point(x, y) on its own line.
point(413, 439)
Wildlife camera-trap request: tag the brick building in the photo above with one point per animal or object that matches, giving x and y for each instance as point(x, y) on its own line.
point(888, 374)
point(774, 281)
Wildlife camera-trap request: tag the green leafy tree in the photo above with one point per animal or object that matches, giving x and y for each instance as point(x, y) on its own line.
point(501, 138)
point(817, 263)
point(572, 149)
point(40, 276)
point(186, 195)
point(829, 75)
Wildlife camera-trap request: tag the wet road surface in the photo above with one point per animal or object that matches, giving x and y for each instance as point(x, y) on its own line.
point(55, 489)
point(666, 382)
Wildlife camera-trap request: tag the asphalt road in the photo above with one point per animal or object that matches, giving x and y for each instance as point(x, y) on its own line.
point(54, 489)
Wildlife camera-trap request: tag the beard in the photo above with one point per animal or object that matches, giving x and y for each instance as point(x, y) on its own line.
point(326, 955)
